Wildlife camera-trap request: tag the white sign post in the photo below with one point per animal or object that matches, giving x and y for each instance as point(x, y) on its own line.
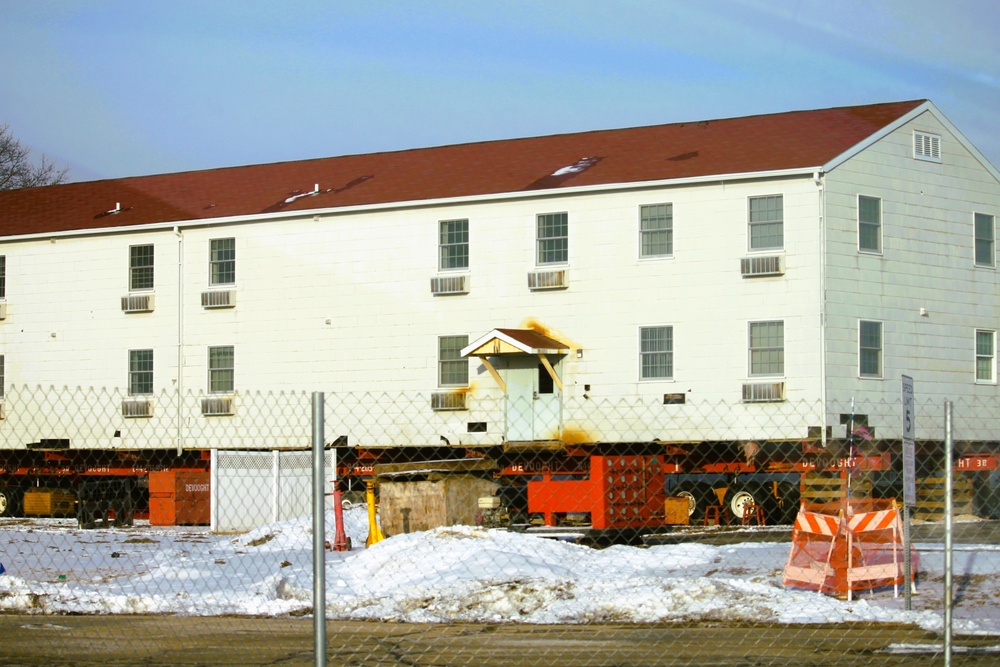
point(909, 479)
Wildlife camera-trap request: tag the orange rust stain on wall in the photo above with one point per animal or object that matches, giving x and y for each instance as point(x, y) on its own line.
point(535, 325)
point(575, 436)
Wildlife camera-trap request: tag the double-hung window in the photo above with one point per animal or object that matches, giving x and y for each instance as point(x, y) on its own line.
point(453, 248)
point(656, 230)
point(140, 267)
point(767, 348)
point(3, 276)
point(986, 359)
point(221, 370)
point(552, 238)
point(2, 377)
point(656, 353)
point(985, 240)
point(869, 349)
point(453, 368)
point(222, 261)
point(767, 223)
point(140, 372)
point(869, 224)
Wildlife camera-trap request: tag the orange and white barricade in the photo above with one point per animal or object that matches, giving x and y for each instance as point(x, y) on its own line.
point(859, 548)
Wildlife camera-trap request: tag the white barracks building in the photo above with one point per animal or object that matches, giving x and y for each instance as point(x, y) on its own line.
point(721, 279)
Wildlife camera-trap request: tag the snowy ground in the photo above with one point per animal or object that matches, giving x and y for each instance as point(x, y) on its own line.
point(453, 574)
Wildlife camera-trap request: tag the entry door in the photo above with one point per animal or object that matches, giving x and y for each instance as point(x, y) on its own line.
point(534, 403)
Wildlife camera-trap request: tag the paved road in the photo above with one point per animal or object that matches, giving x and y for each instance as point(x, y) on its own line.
point(106, 641)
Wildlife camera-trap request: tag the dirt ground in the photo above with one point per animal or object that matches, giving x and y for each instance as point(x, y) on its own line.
point(106, 641)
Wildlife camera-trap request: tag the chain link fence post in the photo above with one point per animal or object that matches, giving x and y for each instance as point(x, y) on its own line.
point(319, 532)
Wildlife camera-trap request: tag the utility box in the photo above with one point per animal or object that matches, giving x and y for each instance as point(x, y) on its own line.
point(424, 495)
point(676, 511)
point(179, 498)
point(49, 502)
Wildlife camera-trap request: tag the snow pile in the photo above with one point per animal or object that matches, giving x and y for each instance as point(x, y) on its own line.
point(455, 574)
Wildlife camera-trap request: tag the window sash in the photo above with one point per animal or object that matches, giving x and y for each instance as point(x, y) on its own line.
point(767, 348)
point(656, 230)
point(222, 261)
point(140, 265)
point(553, 238)
point(985, 235)
point(870, 349)
point(2, 377)
point(985, 356)
point(453, 368)
point(454, 244)
point(869, 224)
point(767, 223)
point(3, 276)
point(140, 372)
point(656, 353)
point(221, 369)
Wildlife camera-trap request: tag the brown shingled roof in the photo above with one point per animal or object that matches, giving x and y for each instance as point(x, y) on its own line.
point(798, 139)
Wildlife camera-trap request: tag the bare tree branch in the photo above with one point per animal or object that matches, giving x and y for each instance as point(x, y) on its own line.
point(17, 170)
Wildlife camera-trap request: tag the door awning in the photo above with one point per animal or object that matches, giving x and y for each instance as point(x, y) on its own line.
point(514, 341)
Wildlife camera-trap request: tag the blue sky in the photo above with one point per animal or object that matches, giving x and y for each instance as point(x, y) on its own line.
point(115, 88)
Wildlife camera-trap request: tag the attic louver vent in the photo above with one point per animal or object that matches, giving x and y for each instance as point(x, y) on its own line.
point(763, 392)
point(446, 400)
point(218, 299)
point(443, 285)
point(137, 407)
point(217, 405)
point(927, 146)
point(545, 280)
point(756, 267)
point(138, 303)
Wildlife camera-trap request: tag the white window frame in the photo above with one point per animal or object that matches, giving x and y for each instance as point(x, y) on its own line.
point(3, 377)
point(449, 364)
point(548, 245)
point(137, 374)
point(751, 223)
point(665, 216)
point(991, 357)
point(667, 353)
point(447, 244)
point(217, 383)
point(880, 349)
point(216, 274)
point(760, 349)
point(926, 146)
point(878, 225)
point(135, 269)
point(992, 240)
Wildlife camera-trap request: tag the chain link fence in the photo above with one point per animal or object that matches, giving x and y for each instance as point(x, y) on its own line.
point(463, 507)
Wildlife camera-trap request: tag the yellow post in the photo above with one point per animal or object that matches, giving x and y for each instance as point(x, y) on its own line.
point(374, 532)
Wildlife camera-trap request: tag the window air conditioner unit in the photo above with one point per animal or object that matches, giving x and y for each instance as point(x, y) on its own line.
point(218, 298)
point(3, 410)
point(448, 400)
point(545, 280)
point(137, 407)
point(3, 311)
point(138, 303)
point(217, 405)
point(763, 392)
point(757, 267)
point(443, 285)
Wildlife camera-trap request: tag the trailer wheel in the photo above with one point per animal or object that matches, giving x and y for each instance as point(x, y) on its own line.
point(738, 497)
point(10, 501)
point(699, 496)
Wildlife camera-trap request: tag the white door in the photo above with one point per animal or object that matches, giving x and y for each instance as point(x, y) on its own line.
point(534, 402)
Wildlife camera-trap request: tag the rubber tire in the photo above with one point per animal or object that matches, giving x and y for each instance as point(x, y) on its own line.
point(738, 496)
point(786, 505)
point(699, 495)
point(10, 501)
